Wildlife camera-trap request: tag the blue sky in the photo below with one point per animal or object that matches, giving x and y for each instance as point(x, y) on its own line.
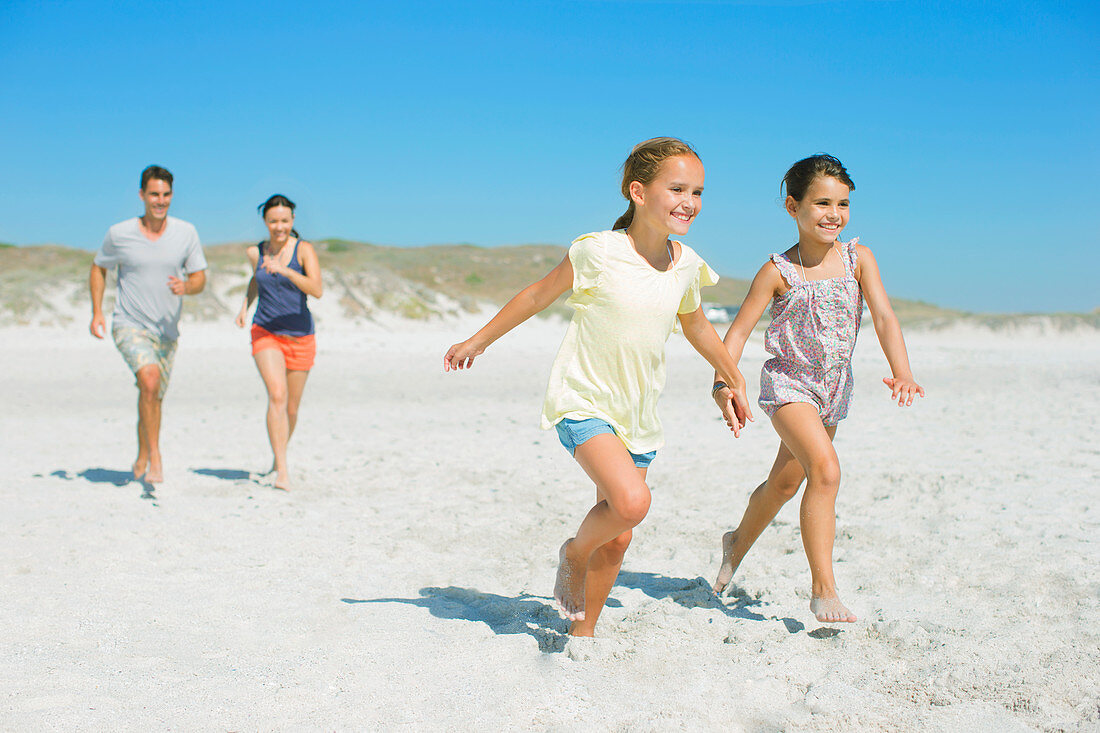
point(969, 128)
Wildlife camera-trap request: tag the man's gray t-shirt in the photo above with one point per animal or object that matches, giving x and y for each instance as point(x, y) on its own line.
point(144, 266)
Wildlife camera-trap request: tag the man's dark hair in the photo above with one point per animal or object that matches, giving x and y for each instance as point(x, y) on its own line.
point(155, 171)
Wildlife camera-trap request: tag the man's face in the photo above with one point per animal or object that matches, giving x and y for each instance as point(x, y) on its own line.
point(157, 196)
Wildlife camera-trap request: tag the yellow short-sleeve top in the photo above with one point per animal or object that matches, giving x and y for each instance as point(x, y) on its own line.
point(611, 364)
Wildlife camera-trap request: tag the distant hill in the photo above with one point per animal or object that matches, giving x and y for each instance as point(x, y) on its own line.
point(47, 284)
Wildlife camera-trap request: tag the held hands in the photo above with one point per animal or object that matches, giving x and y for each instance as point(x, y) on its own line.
point(903, 390)
point(734, 405)
point(461, 356)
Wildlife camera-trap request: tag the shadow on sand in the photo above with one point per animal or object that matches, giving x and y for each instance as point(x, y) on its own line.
point(225, 474)
point(524, 614)
point(697, 593)
point(98, 476)
point(110, 476)
point(536, 616)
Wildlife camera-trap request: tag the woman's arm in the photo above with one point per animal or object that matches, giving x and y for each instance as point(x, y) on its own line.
point(704, 339)
point(310, 282)
point(902, 386)
point(252, 291)
point(533, 299)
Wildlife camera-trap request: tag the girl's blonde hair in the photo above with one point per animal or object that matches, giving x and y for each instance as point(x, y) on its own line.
point(644, 164)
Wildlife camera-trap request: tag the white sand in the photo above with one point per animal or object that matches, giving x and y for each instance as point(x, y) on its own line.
point(405, 584)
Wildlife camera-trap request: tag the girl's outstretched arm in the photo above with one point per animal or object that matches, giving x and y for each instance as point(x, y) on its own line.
point(764, 286)
point(702, 336)
point(902, 386)
point(531, 300)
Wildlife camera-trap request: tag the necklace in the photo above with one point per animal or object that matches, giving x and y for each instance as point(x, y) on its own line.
point(798, 251)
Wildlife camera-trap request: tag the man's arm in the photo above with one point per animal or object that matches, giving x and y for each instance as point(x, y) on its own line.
point(193, 285)
point(97, 283)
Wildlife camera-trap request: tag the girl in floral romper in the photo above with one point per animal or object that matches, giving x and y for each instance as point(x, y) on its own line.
point(816, 290)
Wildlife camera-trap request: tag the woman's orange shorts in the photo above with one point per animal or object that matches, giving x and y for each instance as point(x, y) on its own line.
point(298, 351)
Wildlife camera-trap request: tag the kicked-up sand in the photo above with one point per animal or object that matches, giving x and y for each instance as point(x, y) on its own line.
point(406, 581)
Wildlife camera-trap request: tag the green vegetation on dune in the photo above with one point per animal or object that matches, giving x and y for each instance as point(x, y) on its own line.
point(364, 278)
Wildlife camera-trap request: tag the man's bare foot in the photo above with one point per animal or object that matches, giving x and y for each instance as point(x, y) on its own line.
point(727, 569)
point(831, 610)
point(569, 586)
point(155, 474)
point(282, 481)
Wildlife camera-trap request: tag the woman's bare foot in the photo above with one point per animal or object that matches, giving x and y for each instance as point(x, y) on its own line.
point(569, 585)
point(831, 610)
point(282, 481)
point(140, 466)
point(727, 569)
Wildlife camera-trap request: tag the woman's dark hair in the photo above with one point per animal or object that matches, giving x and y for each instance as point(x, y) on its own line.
point(803, 173)
point(644, 165)
point(278, 200)
point(155, 172)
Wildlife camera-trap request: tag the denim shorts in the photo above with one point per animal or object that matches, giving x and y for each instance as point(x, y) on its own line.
point(572, 433)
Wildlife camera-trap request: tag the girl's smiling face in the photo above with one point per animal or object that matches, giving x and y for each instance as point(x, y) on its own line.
point(279, 221)
point(674, 198)
point(822, 213)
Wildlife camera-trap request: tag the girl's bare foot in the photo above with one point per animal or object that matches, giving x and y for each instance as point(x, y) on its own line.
point(831, 610)
point(139, 467)
point(282, 481)
point(569, 585)
point(726, 570)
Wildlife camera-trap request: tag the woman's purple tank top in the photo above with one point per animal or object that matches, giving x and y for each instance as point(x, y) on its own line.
point(281, 307)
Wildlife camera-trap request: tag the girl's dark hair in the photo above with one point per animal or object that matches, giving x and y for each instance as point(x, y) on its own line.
point(644, 165)
point(803, 173)
point(278, 200)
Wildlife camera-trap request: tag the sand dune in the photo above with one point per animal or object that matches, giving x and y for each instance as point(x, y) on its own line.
point(405, 583)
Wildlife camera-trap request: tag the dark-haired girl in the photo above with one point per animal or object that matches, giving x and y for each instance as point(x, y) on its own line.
point(816, 290)
point(285, 270)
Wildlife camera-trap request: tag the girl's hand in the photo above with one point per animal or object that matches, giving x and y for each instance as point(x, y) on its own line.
point(735, 408)
point(461, 356)
point(903, 390)
point(241, 318)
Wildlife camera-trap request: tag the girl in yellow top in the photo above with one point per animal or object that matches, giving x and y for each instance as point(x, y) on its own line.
point(630, 287)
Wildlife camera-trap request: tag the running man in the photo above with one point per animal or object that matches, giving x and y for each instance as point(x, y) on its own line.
point(159, 260)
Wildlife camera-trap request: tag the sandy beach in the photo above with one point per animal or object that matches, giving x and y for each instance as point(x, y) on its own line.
point(404, 584)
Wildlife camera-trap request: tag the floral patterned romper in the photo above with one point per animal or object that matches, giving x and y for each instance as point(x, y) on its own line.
point(811, 339)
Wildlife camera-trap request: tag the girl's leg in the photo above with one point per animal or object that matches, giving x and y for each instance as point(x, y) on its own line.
point(765, 502)
point(626, 501)
point(799, 427)
point(295, 385)
point(603, 569)
point(272, 368)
